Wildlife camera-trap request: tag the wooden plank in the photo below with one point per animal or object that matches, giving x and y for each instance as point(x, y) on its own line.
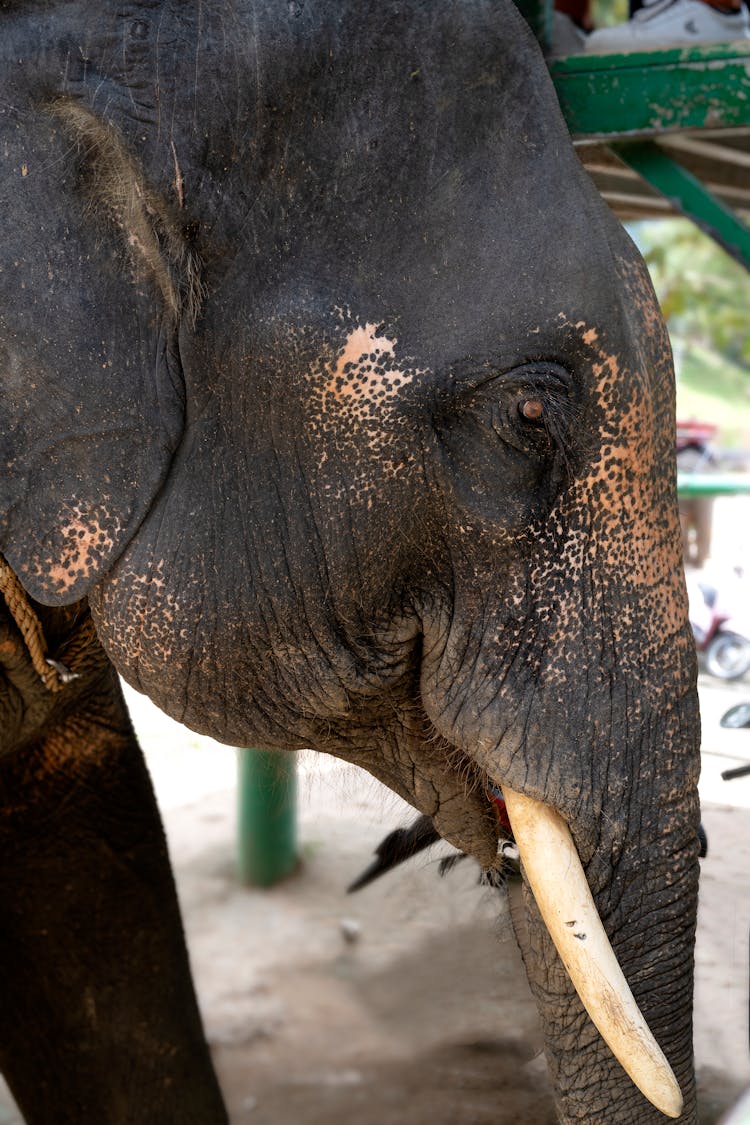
point(686, 145)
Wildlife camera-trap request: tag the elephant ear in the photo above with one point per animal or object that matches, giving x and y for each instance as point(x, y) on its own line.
point(95, 279)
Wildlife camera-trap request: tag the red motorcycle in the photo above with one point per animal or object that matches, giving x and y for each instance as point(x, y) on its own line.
point(721, 626)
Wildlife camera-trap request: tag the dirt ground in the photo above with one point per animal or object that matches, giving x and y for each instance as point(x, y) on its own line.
point(405, 1004)
point(425, 1016)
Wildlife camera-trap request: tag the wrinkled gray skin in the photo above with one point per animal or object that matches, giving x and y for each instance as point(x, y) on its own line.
point(331, 383)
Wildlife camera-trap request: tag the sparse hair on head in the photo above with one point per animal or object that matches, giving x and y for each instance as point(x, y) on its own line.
point(155, 241)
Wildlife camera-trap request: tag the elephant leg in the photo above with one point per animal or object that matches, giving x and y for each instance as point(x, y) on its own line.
point(99, 1021)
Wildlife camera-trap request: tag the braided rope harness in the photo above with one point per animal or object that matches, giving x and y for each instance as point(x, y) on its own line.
point(52, 673)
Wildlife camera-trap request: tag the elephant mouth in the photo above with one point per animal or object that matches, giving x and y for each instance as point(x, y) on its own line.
point(453, 787)
point(553, 871)
point(555, 875)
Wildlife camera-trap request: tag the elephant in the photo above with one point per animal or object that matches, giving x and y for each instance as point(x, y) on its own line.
point(337, 412)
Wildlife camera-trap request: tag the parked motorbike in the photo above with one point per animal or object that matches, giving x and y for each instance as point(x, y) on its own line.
point(736, 718)
point(721, 626)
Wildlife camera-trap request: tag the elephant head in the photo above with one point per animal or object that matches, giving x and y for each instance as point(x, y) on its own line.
point(331, 382)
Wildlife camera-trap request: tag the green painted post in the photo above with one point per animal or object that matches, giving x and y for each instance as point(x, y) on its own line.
point(267, 837)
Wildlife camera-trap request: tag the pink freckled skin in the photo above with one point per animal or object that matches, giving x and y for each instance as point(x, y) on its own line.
point(356, 395)
point(354, 373)
point(84, 538)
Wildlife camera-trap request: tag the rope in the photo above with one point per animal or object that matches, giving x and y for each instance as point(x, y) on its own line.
point(52, 673)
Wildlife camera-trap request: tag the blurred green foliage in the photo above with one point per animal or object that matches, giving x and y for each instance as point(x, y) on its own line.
point(604, 13)
point(704, 294)
point(713, 389)
point(705, 298)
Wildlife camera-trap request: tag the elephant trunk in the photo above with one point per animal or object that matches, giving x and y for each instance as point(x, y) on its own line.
point(555, 876)
point(608, 945)
point(598, 723)
point(561, 663)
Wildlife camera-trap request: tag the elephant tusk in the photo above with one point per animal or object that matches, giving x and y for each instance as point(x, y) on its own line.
point(557, 879)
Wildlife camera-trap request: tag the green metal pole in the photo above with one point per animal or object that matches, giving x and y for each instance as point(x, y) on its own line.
point(267, 837)
point(688, 195)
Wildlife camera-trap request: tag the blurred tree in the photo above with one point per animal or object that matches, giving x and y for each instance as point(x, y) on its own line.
point(606, 12)
point(704, 294)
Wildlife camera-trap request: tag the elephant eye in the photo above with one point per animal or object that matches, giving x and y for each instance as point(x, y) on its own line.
point(531, 409)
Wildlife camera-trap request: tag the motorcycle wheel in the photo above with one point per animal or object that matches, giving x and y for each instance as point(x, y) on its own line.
point(728, 656)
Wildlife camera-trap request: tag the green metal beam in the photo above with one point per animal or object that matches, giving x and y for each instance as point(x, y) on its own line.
point(688, 195)
point(267, 797)
point(655, 92)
